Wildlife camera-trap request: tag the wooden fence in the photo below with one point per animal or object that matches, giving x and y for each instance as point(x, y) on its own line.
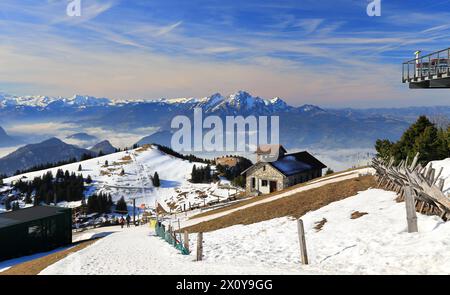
point(420, 187)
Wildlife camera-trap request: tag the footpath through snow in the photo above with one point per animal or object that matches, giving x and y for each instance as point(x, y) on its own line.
point(137, 251)
point(374, 243)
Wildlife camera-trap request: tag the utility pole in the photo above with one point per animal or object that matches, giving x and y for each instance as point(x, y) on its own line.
point(134, 211)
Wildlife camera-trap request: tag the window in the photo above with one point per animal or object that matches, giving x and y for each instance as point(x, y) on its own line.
point(263, 182)
point(253, 182)
point(264, 168)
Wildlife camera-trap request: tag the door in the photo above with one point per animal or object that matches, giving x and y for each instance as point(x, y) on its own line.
point(273, 186)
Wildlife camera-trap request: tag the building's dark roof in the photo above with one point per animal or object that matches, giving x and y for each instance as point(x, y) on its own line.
point(309, 159)
point(29, 214)
point(289, 165)
point(294, 163)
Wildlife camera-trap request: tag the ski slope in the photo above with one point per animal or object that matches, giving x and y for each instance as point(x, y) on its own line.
point(139, 166)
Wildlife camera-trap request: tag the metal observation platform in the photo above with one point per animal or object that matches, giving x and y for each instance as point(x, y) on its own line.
point(428, 71)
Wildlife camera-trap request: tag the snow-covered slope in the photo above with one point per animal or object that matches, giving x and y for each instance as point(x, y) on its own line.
point(377, 242)
point(139, 166)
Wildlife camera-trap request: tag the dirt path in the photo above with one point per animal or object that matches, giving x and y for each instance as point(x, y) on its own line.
point(295, 205)
point(207, 216)
point(35, 266)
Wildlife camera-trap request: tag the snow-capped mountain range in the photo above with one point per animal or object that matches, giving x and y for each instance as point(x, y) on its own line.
point(300, 126)
point(238, 102)
point(40, 101)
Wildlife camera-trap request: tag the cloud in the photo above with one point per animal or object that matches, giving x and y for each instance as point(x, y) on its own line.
point(139, 52)
point(168, 29)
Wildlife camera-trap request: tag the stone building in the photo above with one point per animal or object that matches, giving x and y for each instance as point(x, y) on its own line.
point(276, 169)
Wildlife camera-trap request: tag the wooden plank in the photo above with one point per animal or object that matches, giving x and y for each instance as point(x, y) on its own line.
point(410, 210)
point(421, 207)
point(438, 175)
point(302, 240)
point(200, 246)
point(414, 162)
point(186, 240)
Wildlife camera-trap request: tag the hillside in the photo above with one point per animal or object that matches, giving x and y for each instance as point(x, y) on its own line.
point(52, 150)
point(129, 174)
point(365, 233)
point(6, 140)
point(104, 146)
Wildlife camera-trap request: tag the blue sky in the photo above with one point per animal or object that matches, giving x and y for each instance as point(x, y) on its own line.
point(328, 53)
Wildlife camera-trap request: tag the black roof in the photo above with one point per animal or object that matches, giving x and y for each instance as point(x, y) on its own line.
point(309, 159)
point(293, 163)
point(29, 214)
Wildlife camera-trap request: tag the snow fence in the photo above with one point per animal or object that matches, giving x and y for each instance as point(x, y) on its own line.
point(170, 238)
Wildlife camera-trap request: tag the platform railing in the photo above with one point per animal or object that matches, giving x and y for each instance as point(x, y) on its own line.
point(430, 66)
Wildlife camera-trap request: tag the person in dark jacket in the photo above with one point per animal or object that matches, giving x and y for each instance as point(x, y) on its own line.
point(128, 220)
point(122, 222)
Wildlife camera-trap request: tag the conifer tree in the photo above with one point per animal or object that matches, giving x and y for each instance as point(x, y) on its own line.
point(156, 181)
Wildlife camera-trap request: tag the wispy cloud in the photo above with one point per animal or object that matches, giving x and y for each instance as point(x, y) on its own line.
point(165, 30)
point(164, 48)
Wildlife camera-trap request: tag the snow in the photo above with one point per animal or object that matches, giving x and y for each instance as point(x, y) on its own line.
point(137, 251)
point(139, 166)
point(375, 243)
point(445, 164)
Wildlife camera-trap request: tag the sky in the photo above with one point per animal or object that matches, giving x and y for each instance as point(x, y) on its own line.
point(328, 53)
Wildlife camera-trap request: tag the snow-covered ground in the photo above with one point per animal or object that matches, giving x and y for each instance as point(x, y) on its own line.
point(138, 251)
point(139, 165)
point(445, 164)
point(375, 243)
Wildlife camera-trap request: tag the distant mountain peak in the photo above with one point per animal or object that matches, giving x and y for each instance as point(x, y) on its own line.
point(52, 141)
point(310, 108)
point(104, 146)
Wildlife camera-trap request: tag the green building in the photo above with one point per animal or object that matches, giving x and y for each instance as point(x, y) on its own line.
point(35, 229)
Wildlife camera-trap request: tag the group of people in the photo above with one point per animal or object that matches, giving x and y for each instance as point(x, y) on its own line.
point(122, 221)
point(127, 220)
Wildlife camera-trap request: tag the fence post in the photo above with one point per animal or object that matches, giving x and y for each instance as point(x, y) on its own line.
point(301, 238)
point(199, 246)
point(186, 240)
point(411, 216)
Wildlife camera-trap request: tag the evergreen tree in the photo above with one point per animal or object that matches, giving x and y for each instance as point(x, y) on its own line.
point(156, 181)
point(329, 171)
point(194, 175)
point(15, 206)
point(8, 205)
point(121, 205)
point(80, 168)
point(88, 179)
point(28, 199)
point(421, 137)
